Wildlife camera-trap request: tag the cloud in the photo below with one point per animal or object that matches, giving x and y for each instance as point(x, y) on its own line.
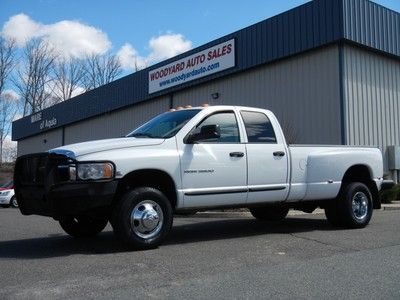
point(75, 39)
point(130, 58)
point(168, 45)
point(69, 38)
point(17, 117)
point(161, 47)
point(11, 95)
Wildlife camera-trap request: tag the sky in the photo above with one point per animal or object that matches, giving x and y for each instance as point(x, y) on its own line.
point(140, 32)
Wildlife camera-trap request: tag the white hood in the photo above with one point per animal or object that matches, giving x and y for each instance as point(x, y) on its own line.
point(104, 145)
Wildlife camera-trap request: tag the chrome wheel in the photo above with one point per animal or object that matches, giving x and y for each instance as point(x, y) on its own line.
point(359, 205)
point(14, 202)
point(147, 219)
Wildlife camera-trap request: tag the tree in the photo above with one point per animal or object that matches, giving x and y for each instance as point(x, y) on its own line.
point(7, 50)
point(8, 110)
point(100, 70)
point(33, 80)
point(9, 151)
point(68, 76)
point(7, 105)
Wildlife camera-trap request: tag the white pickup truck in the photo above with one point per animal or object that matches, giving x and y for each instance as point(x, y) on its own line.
point(195, 159)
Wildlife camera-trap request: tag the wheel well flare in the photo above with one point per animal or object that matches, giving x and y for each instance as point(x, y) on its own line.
point(361, 173)
point(157, 179)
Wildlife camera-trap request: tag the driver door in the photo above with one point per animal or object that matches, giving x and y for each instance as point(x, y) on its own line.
point(214, 170)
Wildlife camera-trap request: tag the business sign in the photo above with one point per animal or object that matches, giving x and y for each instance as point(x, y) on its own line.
point(44, 123)
point(195, 66)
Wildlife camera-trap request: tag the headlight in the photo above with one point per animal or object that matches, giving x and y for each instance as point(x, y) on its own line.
point(93, 171)
point(5, 193)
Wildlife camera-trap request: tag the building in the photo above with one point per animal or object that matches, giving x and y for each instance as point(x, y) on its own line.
point(329, 69)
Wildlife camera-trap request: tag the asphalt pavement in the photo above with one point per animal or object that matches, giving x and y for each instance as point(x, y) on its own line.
point(238, 257)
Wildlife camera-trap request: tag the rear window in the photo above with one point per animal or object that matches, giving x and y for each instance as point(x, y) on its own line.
point(258, 127)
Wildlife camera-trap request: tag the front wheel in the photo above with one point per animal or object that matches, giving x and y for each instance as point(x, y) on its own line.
point(142, 218)
point(82, 226)
point(269, 213)
point(13, 202)
point(353, 208)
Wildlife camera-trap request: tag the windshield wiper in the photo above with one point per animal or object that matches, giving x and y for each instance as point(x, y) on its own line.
point(141, 134)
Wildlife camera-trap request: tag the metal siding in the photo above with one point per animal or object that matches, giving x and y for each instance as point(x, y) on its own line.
point(302, 91)
point(115, 124)
point(36, 143)
point(372, 95)
point(372, 25)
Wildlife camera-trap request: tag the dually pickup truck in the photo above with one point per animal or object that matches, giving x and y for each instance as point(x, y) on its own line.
point(195, 159)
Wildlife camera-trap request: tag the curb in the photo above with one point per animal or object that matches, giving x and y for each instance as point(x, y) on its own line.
point(391, 207)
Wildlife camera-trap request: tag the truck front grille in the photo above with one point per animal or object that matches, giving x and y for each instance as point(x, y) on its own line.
point(39, 169)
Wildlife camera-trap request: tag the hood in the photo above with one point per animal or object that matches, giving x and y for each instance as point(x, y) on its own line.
point(75, 150)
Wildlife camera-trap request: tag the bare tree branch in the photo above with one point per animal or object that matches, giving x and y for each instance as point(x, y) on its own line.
point(34, 78)
point(100, 70)
point(7, 50)
point(8, 110)
point(68, 75)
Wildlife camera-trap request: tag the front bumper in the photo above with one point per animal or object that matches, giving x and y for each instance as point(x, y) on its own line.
point(5, 200)
point(67, 199)
point(41, 190)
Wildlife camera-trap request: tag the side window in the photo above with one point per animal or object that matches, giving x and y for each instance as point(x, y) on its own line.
point(227, 123)
point(258, 127)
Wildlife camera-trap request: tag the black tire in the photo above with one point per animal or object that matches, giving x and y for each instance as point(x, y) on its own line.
point(134, 231)
point(83, 227)
point(271, 213)
point(341, 211)
point(13, 202)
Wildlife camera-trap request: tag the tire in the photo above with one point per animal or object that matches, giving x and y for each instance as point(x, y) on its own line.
point(271, 213)
point(83, 227)
point(13, 202)
point(353, 208)
point(142, 218)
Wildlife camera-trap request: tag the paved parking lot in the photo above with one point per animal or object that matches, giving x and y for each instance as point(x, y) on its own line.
point(302, 257)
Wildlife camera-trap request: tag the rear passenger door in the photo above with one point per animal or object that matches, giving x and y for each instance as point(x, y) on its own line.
point(266, 158)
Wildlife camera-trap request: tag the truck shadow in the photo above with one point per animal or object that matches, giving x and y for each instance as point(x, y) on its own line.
point(58, 245)
point(236, 228)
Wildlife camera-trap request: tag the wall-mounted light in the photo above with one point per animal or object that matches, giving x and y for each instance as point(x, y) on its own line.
point(215, 96)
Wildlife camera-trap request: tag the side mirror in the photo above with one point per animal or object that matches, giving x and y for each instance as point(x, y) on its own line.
point(206, 132)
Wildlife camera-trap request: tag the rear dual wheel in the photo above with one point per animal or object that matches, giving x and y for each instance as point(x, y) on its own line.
point(353, 208)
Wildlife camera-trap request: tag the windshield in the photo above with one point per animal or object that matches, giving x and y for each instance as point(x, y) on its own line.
point(165, 125)
point(7, 184)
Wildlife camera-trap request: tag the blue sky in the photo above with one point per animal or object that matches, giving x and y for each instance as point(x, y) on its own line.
point(134, 23)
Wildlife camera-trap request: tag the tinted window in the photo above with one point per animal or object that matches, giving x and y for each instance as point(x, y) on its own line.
point(258, 127)
point(227, 124)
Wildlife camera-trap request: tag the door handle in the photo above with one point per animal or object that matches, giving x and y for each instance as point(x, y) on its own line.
point(236, 154)
point(279, 153)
